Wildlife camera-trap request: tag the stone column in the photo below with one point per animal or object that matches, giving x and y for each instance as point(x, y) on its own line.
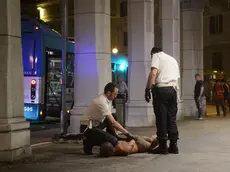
point(192, 50)
point(14, 130)
point(140, 41)
point(170, 21)
point(92, 54)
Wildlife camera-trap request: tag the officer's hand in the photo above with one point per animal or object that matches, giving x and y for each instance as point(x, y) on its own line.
point(130, 137)
point(147, 95)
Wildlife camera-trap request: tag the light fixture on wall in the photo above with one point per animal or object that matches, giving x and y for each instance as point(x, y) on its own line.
point(115, 50)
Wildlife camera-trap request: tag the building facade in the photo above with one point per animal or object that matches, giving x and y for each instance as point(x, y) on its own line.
point(50, 12)
point(216, 43)
point(181, 37)
point(170, 31)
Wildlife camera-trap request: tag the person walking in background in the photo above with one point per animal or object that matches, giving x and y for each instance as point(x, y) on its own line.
point(218, 91)
point(226, 94)
point(199, 96)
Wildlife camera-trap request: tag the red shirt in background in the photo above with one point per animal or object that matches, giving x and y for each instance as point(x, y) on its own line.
point(219, 92)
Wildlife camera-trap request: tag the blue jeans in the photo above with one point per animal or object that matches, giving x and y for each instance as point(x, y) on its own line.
point(200, 104)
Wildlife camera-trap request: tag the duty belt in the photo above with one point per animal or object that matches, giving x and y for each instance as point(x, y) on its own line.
point(167, 84)
point(90, 123)
point(173, 84)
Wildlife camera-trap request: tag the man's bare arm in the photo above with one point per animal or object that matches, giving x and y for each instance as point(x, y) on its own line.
point(151, 78)
point(201, 91)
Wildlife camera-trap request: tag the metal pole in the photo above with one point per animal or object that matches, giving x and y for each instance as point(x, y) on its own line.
point(64, 21)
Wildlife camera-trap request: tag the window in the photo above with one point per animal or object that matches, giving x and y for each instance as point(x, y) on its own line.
point(28, 54)
point(125, 39)
point(123, 9)
point(113, 7)
point(216, 24)
point(54, 79)
point(217, 61)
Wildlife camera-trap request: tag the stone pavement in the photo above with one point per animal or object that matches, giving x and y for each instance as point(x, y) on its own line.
point(204, 147)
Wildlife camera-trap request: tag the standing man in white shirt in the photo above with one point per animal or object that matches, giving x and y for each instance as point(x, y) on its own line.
point(164, 76)
point(99, 115)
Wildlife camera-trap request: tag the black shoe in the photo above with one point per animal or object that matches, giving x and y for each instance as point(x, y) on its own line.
point(173, 148)
point(159, 150)
point(87, 148)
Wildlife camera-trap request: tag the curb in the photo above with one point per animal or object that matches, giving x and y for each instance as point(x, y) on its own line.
point(40, 144)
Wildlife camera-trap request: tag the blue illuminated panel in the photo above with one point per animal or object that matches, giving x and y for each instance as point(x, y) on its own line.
point(31, 111)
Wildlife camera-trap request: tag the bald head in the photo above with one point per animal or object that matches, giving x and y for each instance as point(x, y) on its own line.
point(106, 150)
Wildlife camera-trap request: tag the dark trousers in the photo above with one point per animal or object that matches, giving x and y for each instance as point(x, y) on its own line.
point(165, 109)
point(220, 102)
point(105, 124)
point(227, 98)
point(97, 136)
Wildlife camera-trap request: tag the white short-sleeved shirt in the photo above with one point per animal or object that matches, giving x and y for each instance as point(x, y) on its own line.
point(168, 68)
point(98, 109)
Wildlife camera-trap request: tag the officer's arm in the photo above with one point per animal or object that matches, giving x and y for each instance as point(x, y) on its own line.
point(154, 69)
point(152, 77)
point(105, 110)
point(116, 124)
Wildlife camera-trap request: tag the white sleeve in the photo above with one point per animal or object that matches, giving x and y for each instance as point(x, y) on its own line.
point(155, 61)
point(104, 109)
point(178, 70)
point(126, 88)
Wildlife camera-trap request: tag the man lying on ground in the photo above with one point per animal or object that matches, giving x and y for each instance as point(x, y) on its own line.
point(124, 148)
point(122, 145)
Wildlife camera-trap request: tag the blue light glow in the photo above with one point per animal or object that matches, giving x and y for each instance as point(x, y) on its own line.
point(122, 67)
point(121, 62)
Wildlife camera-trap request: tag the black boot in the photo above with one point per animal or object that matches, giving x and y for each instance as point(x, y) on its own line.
point(87, 148)
point(173, 148)
point(161, 149)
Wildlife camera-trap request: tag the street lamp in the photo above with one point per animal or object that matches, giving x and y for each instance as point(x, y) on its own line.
point(115, 50)
point(41, 12)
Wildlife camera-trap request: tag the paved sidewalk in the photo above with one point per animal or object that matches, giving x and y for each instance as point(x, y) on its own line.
point(204, 147)
point(45, 135)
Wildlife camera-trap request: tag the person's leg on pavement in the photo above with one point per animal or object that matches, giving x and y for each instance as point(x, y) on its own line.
point(161, 120)
point(146, 144)
point(223, 106)
point(203, 107)
point(217, 107)
point(173, 133)
point(228, 100)
point(198, 105)
point(96, 137)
